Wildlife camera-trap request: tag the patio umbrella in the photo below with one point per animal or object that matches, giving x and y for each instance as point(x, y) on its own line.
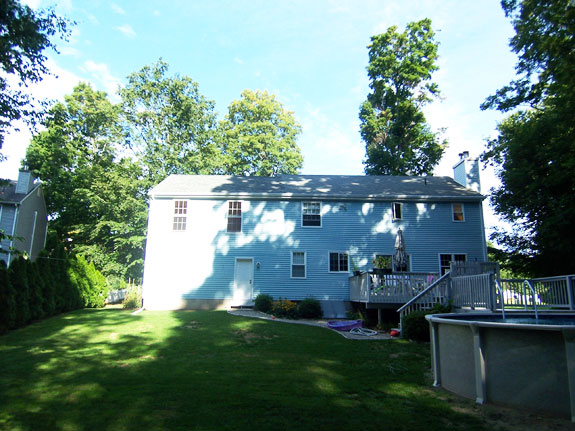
point(400, 258)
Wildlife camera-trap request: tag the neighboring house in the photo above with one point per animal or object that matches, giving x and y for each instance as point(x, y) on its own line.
point(22, 216)
point(217, 241)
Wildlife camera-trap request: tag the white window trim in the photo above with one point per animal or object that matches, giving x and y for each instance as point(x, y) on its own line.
point(329, 262)
point(393, 204)
point(304, 265)
point(320, 215)
point(241, 217)
point(453, 214)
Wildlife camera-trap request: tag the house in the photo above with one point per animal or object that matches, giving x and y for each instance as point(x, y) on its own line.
point(218, 241)
point(23, 216)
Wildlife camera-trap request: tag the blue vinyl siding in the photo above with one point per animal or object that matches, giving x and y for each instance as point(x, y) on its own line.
point(271, 230)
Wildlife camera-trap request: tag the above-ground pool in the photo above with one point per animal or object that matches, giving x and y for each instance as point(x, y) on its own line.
point(519, 360)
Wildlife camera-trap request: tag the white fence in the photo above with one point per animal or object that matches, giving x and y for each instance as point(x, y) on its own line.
point(552, 292)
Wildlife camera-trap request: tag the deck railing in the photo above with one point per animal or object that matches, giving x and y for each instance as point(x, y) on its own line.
point(396, 288)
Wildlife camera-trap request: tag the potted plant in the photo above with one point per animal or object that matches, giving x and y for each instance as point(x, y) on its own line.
point(382, 265)
point(356, 270)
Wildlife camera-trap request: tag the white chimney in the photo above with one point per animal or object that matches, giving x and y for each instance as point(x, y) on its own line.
point(466, 172)
point(25, 182)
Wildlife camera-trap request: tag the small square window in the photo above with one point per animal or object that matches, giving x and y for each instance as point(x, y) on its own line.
point(338, 262)
point(397, 209)
point(458, 213)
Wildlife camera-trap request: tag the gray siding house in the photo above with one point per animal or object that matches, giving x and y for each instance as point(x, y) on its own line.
point(23, 216)
point(218, 241)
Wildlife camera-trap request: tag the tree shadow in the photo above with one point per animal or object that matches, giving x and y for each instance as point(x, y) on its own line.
point(110, 370)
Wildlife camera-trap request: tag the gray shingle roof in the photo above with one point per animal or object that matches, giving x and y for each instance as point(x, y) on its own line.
point(8, 193)
point(325, 187)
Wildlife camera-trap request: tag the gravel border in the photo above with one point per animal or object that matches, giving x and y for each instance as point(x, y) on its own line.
point(321, 323)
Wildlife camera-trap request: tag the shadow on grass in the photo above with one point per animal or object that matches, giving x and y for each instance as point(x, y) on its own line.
point(110, 370)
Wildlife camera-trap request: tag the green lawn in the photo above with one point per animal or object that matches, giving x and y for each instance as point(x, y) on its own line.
point(108, 370)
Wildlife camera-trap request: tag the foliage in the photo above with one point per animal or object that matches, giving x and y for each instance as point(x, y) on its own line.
point(309, 308)
point(393, 126)
point(259, 137)
point(168, 124)
point(133, 297)
point(263, 303)
point(416, 327)
point(52, 284)
point(24, 37)
point(89, 282)
point(534, 151)
point(382, 262)
point(285, 308)
point(96, 199)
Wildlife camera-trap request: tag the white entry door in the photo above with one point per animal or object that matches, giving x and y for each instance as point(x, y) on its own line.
point(243, 281)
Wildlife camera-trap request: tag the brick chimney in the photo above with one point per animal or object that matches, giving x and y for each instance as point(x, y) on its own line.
point(25, 182)
point(466, 172)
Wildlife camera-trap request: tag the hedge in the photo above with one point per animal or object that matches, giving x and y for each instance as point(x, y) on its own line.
point(51, 285)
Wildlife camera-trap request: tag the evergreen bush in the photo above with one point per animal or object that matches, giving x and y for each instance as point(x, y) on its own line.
point(133, 298)
point(309, 308)
point(263, 303)
point(416, 327)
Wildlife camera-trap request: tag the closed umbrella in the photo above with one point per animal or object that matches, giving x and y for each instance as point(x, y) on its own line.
point(400, 258)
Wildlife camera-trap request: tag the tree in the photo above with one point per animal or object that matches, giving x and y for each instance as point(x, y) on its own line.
point(393, 126)
point(96, 199)
point(168, 124)
point(534, 152)
point(24, 37)
point(260, 137)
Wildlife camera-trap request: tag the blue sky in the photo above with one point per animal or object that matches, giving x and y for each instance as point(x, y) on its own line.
point(311, 54)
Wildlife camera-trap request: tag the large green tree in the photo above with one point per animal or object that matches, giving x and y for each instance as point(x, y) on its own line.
point(95, 197)
point(259, 137)
point(169, 124)
point(398, 139)
point(25, 35)
point(534, 152)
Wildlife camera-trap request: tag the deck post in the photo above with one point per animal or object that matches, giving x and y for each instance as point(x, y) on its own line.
point(570, 292)
point(379, 318)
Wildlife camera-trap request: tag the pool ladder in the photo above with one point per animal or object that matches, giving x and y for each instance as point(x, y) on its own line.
point(534, 297)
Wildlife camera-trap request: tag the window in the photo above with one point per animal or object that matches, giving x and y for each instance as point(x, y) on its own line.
point(298, 269)
point(311, 214)
point(234, 216)
point(397, 210)
point(446, 259)
point(338, 262)
point(458, 214)
point(180, 215)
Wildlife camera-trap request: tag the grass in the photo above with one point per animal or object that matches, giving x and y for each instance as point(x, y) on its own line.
point(108, 370)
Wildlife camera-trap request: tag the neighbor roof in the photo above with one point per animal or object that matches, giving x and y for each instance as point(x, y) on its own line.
point(324, 187)
point(8, 193)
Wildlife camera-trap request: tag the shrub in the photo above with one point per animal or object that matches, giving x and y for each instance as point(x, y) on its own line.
point(133, 297)
point(285, 308)
point(309, 308)
point(263, 303)
point(416, 328)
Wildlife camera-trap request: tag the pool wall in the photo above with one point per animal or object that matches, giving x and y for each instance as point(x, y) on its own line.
point(530, 366)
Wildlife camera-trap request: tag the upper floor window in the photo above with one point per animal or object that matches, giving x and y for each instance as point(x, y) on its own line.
point(458, 214)
point(234, 216)
point(311, 214)
point(298, 264)
point(397, 209)
point(446, 259)
point(180, 215)
point(338, 262)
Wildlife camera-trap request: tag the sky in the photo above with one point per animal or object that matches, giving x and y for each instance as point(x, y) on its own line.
point(311, 54)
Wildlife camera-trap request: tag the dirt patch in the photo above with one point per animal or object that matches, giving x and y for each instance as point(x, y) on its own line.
point(250, 337)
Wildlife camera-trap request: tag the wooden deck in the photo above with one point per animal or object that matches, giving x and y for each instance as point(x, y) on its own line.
point(394, 288)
